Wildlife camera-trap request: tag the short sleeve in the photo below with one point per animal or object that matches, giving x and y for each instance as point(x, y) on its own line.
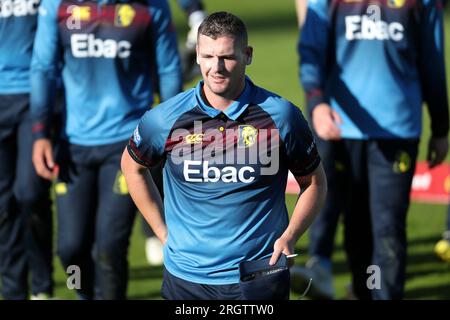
point(301, 150)
point(146, 145)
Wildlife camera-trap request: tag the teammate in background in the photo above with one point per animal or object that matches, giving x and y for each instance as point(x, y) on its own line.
point(442, 248)
point(25, 207)
point(110, 52)
point(224, 199)
point(366, 69)
point(323, 229)
point(195, 13)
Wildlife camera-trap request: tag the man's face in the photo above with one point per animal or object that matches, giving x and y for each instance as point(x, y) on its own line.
point(222, 63)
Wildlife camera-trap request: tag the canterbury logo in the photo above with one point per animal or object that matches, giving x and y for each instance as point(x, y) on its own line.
point(194, 138)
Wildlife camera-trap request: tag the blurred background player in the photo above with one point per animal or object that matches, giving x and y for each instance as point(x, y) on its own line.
point(195, 13)
point(25, 207)
point(366, 73)
point(323, 229)
point(112, 54)
point(442, 247)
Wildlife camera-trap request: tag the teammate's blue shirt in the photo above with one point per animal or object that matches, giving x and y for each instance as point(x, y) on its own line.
point(18, 21)
point(113, 55)
point(376, 62)
point(224, 192)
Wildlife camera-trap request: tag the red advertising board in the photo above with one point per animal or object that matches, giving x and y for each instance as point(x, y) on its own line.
point(432, 186)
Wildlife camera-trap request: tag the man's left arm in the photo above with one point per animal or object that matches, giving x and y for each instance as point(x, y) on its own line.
point(167, 58)
point(313, 190)
point(304, 162)
point(433, 78)
point(43, 72)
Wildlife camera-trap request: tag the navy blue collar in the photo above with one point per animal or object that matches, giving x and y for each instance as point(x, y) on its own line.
point(235, 109)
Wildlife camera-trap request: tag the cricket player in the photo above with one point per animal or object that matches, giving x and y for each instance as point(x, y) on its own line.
point(367, 68)
point(25, 207)
point(112, 54)
point(227, 145)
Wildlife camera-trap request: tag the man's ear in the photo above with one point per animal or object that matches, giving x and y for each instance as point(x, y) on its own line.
point(196, 54)
point(249, 53)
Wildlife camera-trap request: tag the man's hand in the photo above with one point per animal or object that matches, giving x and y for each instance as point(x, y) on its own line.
point(282, 245)
point(43, 159)
point(326, 122)
point(312, 197)
point(437, 150)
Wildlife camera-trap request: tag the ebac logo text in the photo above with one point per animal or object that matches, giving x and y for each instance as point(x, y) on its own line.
point(87, 46)
point(201, 171)
point(365, 28)
point(18, 8)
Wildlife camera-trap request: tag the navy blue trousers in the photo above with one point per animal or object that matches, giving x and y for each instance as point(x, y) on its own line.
point(174, 288)
point(25, 208)
point(95, 218)
point(323, 229)
point(270, 287)
point(370, 181)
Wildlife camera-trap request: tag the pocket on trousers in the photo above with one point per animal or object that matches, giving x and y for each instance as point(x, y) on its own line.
point(260, 281)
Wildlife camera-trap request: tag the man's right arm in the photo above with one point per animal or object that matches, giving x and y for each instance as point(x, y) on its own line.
point(145, 194)
point(43, 73)
point(167, 58)
point(145, 149)
point(433, 78)
point(313, 49)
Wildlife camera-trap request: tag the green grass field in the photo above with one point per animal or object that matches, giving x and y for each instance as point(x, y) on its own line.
point(273, 34)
